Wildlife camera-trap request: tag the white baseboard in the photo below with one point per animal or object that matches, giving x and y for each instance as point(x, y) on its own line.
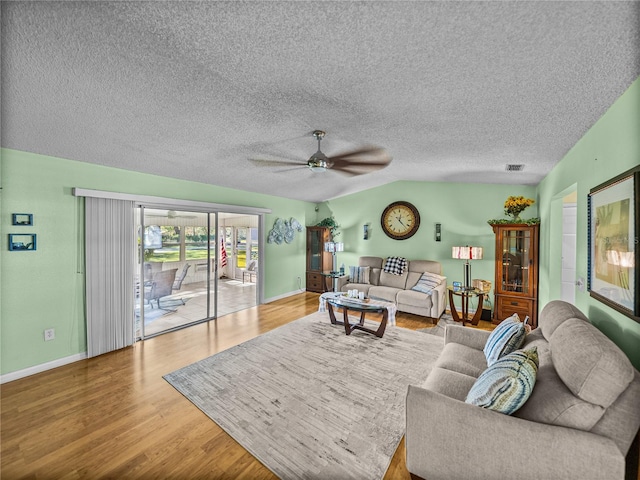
point(284, 295)
point(43, 367)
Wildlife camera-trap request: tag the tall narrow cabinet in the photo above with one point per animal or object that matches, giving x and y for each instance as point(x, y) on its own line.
point(516, 282)
point(318, 260)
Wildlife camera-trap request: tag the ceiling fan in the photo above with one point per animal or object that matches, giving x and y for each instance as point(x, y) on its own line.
point(357, 162)
point(170, 214)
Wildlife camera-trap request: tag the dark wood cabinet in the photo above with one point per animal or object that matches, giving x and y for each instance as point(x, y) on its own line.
point(318, 260)
point(516, 282)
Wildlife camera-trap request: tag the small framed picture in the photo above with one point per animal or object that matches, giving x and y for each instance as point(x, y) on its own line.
point(22, 242)
point(23, 219)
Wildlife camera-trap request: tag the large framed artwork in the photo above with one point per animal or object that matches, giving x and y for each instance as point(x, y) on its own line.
point(614, 226)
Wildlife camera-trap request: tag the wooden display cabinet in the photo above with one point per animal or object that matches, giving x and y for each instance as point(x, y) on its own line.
point(516, 282)
point(318, 260)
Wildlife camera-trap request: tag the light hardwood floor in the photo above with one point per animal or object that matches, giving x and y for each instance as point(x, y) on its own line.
point(114, 416)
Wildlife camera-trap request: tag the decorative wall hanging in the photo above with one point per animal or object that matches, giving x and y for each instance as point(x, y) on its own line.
point(23, 219)
point(614, 249)
point(283, 230)
point(20, 242)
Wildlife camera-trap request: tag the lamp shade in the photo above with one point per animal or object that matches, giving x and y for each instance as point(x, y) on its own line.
point(333, 247)
point(466, 253)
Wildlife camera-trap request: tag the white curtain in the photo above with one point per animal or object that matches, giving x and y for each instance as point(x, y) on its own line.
point(110, 246)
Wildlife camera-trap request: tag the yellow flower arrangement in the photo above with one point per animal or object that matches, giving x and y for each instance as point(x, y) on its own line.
point(514, 206)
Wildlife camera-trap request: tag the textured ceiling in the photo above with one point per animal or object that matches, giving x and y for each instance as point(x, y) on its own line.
point(196, 90)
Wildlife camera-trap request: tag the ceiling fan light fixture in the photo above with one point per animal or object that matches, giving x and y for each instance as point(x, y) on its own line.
point(317, 163)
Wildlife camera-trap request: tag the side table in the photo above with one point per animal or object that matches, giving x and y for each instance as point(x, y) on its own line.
point(464, 297)
point(334, 276)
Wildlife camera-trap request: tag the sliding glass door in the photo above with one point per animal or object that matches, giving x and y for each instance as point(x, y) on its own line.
point(186, 274)
point(176, 256)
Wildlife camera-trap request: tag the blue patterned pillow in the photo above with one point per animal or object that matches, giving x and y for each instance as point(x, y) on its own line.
point(395, 265)
point(504, 339)
point(428, 281)
point(507, 384)
point(359, 274)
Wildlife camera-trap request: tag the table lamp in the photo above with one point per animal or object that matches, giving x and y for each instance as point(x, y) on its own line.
point(467, 253)
point(334, 247)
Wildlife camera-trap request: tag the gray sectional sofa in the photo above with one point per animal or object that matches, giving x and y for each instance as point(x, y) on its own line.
point(578, 423)
point(397, 288)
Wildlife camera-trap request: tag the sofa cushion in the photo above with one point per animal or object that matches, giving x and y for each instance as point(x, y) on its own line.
point(507, 384)
point(415, 299)
point(447, 382)
point(375, 265)
point(385, 293)
point(553, 403)
point(395, 281)
point(427, 282)
point(421, 266)
point(395, 265)
point(555, 313)
point(462, 359)
point(359, 274)
point(589, 363)
point(504, 339)
point(360, 287)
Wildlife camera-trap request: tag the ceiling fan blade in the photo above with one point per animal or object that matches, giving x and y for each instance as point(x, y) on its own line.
point(353, 170)
point(290, 169)
point(362, 161)
point(366, 152)
point(263, 162)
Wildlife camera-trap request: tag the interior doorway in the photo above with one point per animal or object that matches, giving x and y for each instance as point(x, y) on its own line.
point(569, 232)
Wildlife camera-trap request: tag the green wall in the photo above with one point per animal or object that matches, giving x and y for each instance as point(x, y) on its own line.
point(609, 148)
point(44, 289)
point(461, 209)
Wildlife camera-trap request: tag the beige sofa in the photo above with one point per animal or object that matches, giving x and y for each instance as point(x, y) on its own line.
point(578, 423)
point(397, 288)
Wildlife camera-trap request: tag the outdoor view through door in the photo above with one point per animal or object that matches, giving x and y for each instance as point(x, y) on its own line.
point(187, 274)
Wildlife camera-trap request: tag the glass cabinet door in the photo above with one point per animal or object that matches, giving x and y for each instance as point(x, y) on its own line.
point(315, 250)
point(516, 259)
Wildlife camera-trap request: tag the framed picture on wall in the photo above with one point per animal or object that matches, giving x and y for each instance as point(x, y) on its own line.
point(613, 249)
point(23, 219)
point(22, 241)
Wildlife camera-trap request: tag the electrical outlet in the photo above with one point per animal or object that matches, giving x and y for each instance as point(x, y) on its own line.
point(49, 334)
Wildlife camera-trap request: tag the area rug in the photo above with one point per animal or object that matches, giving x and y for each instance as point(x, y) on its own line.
point(310, 402)
point(439, 328)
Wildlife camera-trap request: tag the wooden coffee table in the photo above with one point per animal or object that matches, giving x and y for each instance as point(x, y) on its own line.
point(362, 306)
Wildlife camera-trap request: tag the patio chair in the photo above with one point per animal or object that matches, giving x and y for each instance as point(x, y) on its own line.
point(178, 283)
point(251, 270)
point(161, 286)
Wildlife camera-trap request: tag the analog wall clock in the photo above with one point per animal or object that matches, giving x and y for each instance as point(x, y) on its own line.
point(400, 220)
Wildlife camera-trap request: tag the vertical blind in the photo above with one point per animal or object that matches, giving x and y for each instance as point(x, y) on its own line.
point(110, 246)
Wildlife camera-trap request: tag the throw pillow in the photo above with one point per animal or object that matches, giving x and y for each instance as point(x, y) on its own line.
point(359, 274)
point(428, 281)
point(395, 265)
point(507, 384)
point(504, 339)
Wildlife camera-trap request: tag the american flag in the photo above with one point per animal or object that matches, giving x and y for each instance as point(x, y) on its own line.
point(223, 254)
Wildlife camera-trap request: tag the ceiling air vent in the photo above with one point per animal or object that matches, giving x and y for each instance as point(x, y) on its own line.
point(514, 167)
